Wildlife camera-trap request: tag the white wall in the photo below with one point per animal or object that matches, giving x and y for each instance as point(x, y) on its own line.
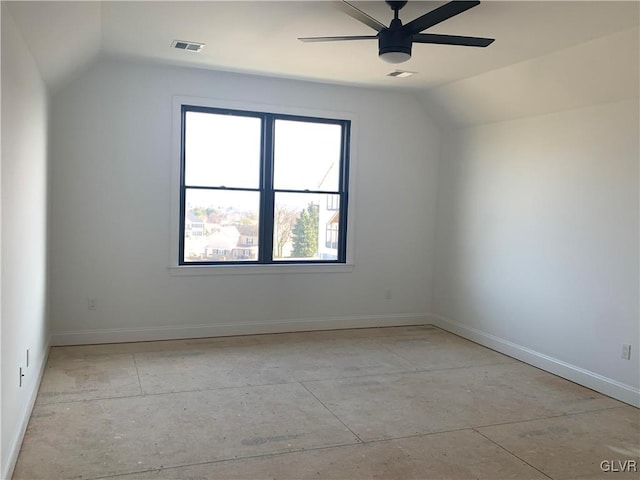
point(110, 201)
point(537, 250)
point(24, 236)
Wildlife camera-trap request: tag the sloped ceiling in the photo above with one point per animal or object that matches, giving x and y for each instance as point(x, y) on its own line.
point(598, 71)
point(62, 36)
point(538, 45)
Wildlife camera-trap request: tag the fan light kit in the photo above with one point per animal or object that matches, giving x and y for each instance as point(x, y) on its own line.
point(395, 41)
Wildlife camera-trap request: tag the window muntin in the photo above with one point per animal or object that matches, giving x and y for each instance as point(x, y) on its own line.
point(302, 178)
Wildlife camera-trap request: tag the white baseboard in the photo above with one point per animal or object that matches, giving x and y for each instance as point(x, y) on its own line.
point(620, 391)
point(121, 335)
point(14, 450)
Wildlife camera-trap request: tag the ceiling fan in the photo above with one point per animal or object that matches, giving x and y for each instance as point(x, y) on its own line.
point(395, 41)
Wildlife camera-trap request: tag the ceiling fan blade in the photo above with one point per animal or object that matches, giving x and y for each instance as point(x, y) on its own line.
point(337, 39)
point(359, 15)
point(438, 15)
point(452, 40)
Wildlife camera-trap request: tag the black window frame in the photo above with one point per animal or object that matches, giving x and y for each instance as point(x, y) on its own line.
point(266, 187)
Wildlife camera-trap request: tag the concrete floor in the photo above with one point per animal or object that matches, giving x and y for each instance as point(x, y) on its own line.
point(408, 402)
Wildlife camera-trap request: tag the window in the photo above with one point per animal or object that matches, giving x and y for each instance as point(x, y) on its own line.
point(332, 235)
point(333, 202)
point(262, 188)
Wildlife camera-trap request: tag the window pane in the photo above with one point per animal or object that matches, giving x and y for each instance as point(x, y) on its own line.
point(221, 226)
point(303, 227)
point(222, 150)
point(307, 155)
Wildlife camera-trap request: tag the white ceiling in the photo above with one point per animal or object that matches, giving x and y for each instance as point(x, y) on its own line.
point(261, 37)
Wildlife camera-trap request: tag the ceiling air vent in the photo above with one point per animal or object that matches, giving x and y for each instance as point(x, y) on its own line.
point(400, 74)
point(184, 45)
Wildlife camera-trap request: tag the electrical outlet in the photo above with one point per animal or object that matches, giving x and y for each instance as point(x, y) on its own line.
point(625, 352)
point(91, 304)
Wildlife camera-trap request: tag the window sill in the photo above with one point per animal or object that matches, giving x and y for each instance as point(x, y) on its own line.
point(211, 270)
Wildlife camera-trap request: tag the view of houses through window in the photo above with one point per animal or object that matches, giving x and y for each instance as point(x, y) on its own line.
point(238, 188)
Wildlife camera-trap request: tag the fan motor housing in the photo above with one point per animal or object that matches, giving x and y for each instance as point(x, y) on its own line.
point(393, 40)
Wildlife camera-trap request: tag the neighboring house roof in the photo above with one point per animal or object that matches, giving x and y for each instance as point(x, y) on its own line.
point(223, 238)
point(248, 230)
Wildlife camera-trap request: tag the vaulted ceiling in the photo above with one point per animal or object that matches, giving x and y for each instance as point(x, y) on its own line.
point(559, 42)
